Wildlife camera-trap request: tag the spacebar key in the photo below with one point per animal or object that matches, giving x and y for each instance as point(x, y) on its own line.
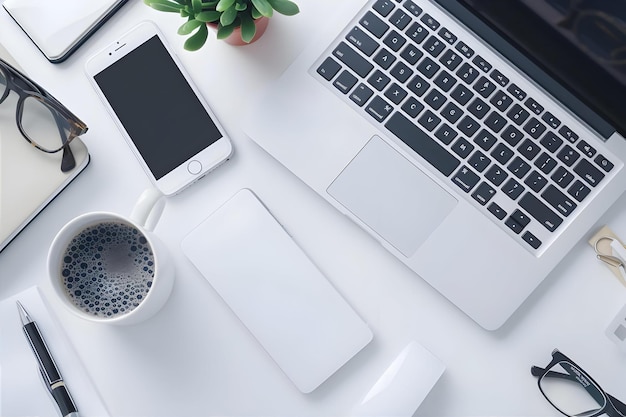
point(422, 143)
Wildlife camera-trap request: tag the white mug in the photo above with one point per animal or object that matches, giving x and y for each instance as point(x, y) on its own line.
point(110, 268)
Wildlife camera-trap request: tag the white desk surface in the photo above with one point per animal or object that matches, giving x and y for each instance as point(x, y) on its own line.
point(194, 358)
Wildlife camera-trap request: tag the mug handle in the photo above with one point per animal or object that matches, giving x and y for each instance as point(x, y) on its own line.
point(148, 208)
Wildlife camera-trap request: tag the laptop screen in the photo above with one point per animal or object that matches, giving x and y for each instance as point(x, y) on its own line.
point(581, 43)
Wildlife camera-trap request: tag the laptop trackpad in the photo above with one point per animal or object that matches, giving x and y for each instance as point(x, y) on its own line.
point(392, 196)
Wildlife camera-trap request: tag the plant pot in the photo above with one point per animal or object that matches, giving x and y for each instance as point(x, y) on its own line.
point(235, 37)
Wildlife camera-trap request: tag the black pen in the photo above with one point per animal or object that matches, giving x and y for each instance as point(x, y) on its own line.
point(49, 371)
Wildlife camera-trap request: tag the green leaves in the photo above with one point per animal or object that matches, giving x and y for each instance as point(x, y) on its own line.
point(229, 14)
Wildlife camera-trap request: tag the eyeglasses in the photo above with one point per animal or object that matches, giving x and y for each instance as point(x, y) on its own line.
point(573, 392)
point(43, 121)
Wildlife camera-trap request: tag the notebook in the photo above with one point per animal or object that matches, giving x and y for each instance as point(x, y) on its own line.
point(424, 124)
point(59, 27)
point(29, 178)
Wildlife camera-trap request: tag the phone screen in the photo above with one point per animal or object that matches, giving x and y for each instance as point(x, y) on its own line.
point(158, 108)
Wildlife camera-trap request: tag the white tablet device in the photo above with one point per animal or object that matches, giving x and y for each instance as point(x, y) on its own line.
point(160, 112)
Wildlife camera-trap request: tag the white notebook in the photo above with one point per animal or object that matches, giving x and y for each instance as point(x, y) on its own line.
point(29, 178)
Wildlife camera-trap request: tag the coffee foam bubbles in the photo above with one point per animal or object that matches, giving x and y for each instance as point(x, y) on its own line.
point(108, 269)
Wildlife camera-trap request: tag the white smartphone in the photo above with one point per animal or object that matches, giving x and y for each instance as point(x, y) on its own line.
point(159, 110)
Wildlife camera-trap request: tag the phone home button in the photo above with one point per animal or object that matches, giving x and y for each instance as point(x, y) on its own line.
point(194, 167)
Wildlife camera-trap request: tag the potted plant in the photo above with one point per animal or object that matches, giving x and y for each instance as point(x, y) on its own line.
point(249, 17)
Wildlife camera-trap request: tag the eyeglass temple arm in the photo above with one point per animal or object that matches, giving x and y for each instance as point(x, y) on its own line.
point(68, 162)
point(619, 406)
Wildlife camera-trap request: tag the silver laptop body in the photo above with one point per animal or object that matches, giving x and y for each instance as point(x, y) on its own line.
point(482, 206)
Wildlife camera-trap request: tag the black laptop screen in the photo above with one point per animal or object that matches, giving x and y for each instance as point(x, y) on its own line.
point(582, 43)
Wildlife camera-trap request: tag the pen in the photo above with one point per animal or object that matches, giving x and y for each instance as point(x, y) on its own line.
point(51, 375)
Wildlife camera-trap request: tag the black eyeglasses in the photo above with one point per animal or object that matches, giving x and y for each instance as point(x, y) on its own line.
point(573, 392)
point(43, 121)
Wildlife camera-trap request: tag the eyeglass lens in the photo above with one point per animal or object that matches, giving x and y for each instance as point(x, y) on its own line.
point(42, 124)
point(571, 391)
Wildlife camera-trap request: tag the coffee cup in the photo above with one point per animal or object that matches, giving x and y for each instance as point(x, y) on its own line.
point(110, 268)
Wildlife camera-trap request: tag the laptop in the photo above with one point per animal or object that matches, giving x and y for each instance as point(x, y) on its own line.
point(478, 141)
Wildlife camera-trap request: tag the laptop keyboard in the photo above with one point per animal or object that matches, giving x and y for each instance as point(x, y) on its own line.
point(499, 146)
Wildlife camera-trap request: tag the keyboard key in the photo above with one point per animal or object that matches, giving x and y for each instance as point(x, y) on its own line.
point(588, 172)
point(362, 41)
point(568, 155)
point(499, 78)
point(412, 107)
point(401, 72)
point(558, 200)
point(445, 81)
point(533, 106)
point(551, 142)
point(534, 128)
point(384, 7)
point(483, 193)
point(511, 135)
point(434, 46)
point(412, 8)
point(513, 189)
point(517, 92)
point(361, 94)
point(536, 181)
point(462, 148)
point(501, 100)
point(374, 24)
point(450, 59)
point(551, 120)
point(384, 58)
point(468, 126)
point(467, 73)
point(452, 112)
point(540, 212)
point(579, 191)
point(395, 93)
point(411, 54)
point(428, 67)
point(429, 120)
point(465, 50)
point(400, 19)
point(562, 177)
point(485, 140)
point(417, 33)
point(518, 114)
point(516, 220)
point(378, 80)
point(496, 175)
point(479, 161)
point(586, 148)
point(529, 149)
point(446, 134)
point(568, 134)
point(461, 94)
point(447, 36)
point(430, 21)
point(497, 211)
point(484, 87)
point(518, 167)
point(531, 240)
point(353, 59)
point(465, 179)
point(502, 153)
point(495, 122)
point(418, 85)
point(478, 108)
point(545, 163)
point(604, 163)
point(394, 41)
point(329, 68)
point(345, 82)
point(435, 99)
point(422, 143)
point(379, 109)
point(481, 63)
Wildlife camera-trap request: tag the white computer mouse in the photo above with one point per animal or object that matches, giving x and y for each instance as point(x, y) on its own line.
point(403, 385)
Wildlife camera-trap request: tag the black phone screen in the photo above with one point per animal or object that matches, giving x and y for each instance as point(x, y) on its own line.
point(157, 107)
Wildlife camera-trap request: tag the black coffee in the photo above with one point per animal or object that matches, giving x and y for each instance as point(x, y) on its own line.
point(108, 269)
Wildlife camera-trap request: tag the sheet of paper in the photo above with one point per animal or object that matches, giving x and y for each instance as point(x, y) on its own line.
point(22, 392)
